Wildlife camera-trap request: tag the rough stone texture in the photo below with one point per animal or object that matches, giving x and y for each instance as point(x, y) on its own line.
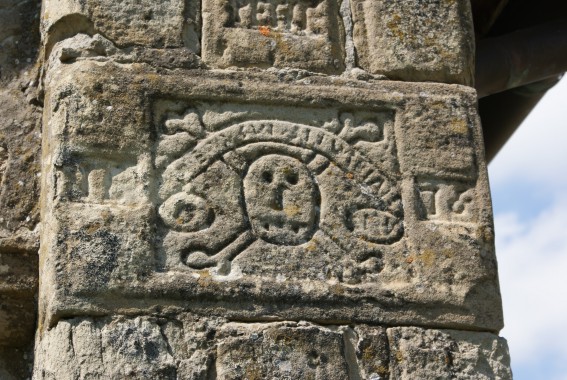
point(205, 196)
point(132, 348)
point(184, 346)
point(431, 40)
point(147, 23)
point(418, 353)
point(20, 141)
point(372, 351)
point(280, 351)
point(291, 33)
point(18, 287)
point(20, 145)
point(252, 214)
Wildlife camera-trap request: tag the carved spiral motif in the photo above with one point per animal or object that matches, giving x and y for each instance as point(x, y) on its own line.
point(186, 212)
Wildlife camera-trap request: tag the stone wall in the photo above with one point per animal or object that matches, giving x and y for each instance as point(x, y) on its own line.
point(20, 145)
point(238, 189)
point(186, 346)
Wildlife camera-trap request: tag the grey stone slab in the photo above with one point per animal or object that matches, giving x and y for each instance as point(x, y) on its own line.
point(185, 346)
point(280, 351)
point(255, 196)
point(292, 33)
point(446, 354)
point(429, 40)
point(120, 349)
point(151, 24)
point(20, 127)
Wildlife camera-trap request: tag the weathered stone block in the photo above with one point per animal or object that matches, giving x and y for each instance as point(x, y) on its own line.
point(372, 351)
point(18, 287)
point(158, 24)
point(280, 351)
point(184, 346)
point(20, 137)
point(418, 353)
point(292, 33)
point(429, 40)
point(299, 208)
point(129, 348)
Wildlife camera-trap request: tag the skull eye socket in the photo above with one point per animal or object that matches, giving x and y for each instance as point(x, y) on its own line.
point(267, 177)
point(292, 178)
point(186, 212)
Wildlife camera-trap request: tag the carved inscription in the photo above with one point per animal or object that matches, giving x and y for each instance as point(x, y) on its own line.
point(447, 201)
point(366, 130)
point(293, 16)
point(101, 181)
point(274, 183)
point(298, 34)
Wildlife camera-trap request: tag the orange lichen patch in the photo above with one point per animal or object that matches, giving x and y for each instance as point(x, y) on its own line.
point(399, 356)
point(337, 289)
point(410, 260)
point(350, 176)
point(394, 26)
point(485, 233)
point(291, 210)
point(428, 257)
point(92, 228)
point(368, 353)
point(254, 372)
point(281, 44)
point(459, 126)
point(312, 246)
point(284, 340)
point(204, 278)
point(107, 216)
point(264, 30)
point(449, 253)
point(381, 370)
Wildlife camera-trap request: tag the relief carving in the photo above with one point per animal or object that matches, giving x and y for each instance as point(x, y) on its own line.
point(101, 181)
point(297, 34)
point(293, 16)
point(449, 201)
point(282, 200)
point(279, 183)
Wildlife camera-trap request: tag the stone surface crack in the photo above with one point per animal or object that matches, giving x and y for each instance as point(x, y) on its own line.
point(350, 339)
point(350, 55)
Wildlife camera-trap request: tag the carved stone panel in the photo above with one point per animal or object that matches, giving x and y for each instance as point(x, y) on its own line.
point(297, 191)
point(302, 34)
point(428, 40)
point(211, 198)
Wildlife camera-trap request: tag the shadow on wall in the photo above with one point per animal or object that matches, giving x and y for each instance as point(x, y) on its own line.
point(20, 144)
